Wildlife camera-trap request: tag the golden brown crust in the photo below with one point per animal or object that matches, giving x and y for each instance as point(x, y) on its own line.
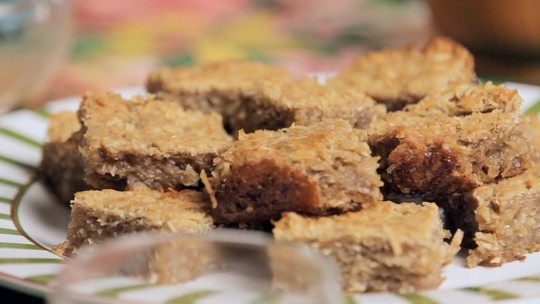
point(445, 149)
point(397, 77)
point(253, 96)
point(386, 247)
point(223, 87)
point(452, 139)
point(533, 134)
point(500, 219)
point(240, 76)
point(319, 169)
point(61, 167)
point(147, 142)
point(465, 99)
point(304, 102)
point(99, 215)
point(62, 125)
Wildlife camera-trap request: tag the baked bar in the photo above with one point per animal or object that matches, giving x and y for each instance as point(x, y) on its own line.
point(386, 247)
point(321, 169)
point(465, 99)
point(61, 167)
point(500, 220)
point(433, 153)
point(223, 87)
point(100, 215)
point(397, 77)
point(253, 96)
point(147, 143)
point(305, 102)
point(533, 133)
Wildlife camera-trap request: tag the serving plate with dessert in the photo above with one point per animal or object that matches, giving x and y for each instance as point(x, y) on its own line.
point(418, 179)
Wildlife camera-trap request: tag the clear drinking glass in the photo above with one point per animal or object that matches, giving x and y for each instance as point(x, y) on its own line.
point(225, 266)
point(34, 36)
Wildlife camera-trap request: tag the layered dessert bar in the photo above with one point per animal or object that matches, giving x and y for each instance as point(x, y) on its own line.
point(61, 167)
point(97, 215)
point(146, 143)
point(500, 220)
point(223, 87)
point(321, 169)
point(305, 102)
point(386, 247)
point(431, 152)
point(397, 77)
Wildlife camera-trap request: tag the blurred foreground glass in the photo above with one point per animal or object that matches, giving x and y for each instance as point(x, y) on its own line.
point(33, 40)
point(225, 266)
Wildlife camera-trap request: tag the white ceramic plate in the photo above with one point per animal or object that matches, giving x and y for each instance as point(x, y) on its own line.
point(31, 222)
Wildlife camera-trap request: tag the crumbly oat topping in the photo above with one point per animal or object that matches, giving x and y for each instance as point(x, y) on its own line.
point(146, 143)
point(148, 126)
point(100, 215)
point(386, 247)
point(315, 169)
point(228, 75)
point(312, 158)
point(396, 77)
point(437, 149)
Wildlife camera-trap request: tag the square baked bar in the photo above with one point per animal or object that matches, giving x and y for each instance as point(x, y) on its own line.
point(501, 220)
point(147, 143)
point(386, 247)
point(397, 77)
point(466, 138)
point(61, 167)
point(105, 214)
point(305, 102)
point(223, 87)
point(465, 99)
point(533, 133)
point(253, 96)
point(320, 169)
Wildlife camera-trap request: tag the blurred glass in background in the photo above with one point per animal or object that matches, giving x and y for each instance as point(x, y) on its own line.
point(33, 40)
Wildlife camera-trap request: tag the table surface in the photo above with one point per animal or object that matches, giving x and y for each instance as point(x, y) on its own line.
point(117, 47)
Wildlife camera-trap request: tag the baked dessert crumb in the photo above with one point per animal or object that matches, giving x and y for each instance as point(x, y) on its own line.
point(500, 220)
point(321, 169)
point(61, 165)
point(97, 215)
point(452, 142)
point(466, 99)
point(146, 143)
point(532, 131)
point(386, 247)
point(304, 101)
point(397, 77)
point(253, 96)
point(222, 87)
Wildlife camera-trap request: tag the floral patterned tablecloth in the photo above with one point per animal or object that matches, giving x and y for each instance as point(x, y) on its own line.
point(116, 43)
